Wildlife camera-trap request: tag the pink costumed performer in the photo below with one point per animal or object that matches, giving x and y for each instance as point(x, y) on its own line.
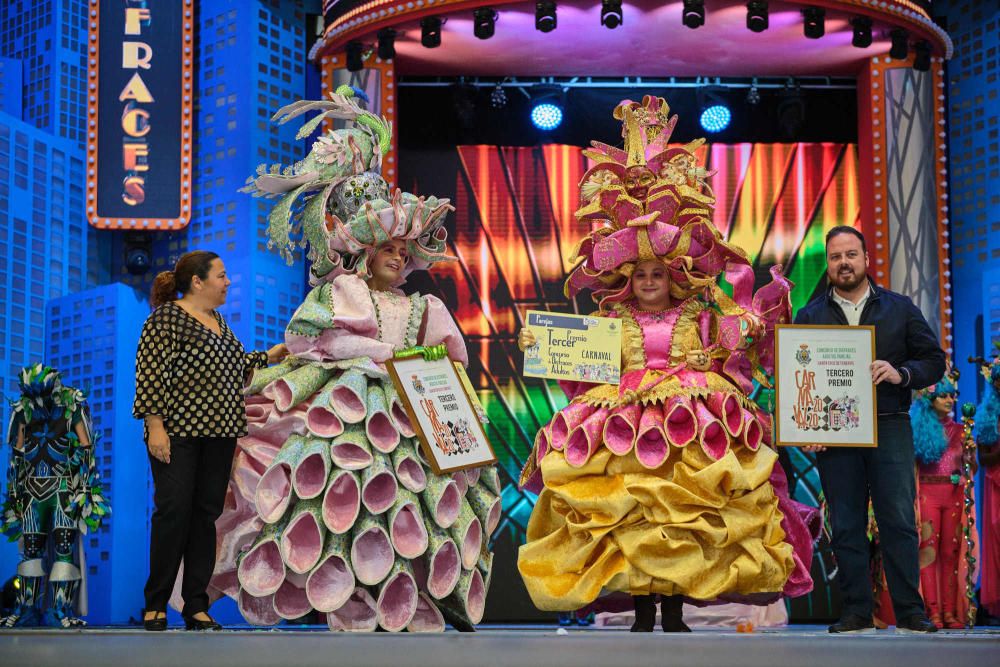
point(665, 484)
point(332, 506)
point(988, 441)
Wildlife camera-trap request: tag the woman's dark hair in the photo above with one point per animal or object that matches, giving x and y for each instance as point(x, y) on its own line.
point(845, 229)
point(167, 284)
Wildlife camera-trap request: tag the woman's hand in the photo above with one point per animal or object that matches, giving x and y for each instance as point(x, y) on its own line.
point(812, 449)
point(525, 339)
point(277, 353)
point(159, 443)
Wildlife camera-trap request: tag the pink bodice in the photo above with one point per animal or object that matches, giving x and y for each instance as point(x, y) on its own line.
point(951, 460)
point(657, 332)
point(343, 319)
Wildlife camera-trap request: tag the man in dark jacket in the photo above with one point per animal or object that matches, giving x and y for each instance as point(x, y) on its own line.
point(908, 357)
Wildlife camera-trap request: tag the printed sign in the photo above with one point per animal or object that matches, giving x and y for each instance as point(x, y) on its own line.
point(574, 347)
point(824, 391)
point(139, 105)
point(442, 413)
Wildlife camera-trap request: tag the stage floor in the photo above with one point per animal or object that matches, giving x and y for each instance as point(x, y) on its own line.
point(517, 646)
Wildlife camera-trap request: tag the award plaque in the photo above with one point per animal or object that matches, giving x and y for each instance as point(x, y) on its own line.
point(824, 393)
point(446, 418)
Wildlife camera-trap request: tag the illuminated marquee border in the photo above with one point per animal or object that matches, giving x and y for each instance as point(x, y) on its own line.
point(879, 146)
point(363, 19)
point(93, 54)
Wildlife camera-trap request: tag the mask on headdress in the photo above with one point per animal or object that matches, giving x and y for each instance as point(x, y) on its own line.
point(339, 202)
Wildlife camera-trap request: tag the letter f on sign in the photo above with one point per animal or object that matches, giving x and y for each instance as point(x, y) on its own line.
point(133, 16)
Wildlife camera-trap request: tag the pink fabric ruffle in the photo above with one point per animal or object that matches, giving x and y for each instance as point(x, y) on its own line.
point(716, 422)
point(802, 525)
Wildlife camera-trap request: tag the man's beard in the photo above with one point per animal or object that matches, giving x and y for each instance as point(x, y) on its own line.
point(853, 281)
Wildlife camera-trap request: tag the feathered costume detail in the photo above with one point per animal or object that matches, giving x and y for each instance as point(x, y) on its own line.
point(348, 211)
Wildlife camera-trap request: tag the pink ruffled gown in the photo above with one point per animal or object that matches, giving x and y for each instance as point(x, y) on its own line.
point(331, 505)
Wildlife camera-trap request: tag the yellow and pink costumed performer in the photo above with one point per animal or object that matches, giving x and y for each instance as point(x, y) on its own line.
point(666, 484)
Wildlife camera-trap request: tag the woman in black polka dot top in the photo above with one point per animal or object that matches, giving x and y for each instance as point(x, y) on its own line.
point(190, 370)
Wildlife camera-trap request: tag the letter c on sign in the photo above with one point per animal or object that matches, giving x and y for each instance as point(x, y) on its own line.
point(135, 122)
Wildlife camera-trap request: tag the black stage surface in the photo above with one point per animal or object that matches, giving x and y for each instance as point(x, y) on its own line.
point(517, 646)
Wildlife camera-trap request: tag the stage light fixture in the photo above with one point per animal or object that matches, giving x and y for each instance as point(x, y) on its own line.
point(753, 95)
point(545, 16)
point(138, 253)
point(611, 13)
point(922, 56)
point(814, 22)
point(716, 118)
point(546, 116)
point(355, 60)
point(757, 16)
point(862, 32)
point(693, 14)
point(498, 98)
point(430, 31)
point(900, 44)
point(484, 22)
point(386, 43)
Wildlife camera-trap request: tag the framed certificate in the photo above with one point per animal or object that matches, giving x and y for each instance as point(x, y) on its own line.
point(824, 393)
point(442, 412)
point(574, 347)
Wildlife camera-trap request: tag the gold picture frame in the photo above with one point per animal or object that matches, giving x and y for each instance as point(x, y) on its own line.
point(440, 439)
point(796, 418)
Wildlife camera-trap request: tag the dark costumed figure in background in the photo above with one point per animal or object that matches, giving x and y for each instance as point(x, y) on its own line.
point(54, 495)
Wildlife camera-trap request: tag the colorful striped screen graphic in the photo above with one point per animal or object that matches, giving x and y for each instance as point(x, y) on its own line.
point(513, 233)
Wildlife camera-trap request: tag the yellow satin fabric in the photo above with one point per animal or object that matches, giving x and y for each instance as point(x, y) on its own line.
point(694, 526)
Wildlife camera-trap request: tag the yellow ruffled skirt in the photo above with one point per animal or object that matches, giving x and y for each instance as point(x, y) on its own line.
point(696, 527)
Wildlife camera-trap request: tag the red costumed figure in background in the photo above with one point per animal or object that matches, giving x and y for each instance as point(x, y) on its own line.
point(987, 417)
point(938, 445)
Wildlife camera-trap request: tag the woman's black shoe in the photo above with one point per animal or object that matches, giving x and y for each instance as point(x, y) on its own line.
point(192, 623)
point(155, 624)
point(671, 610)
point(645, 613)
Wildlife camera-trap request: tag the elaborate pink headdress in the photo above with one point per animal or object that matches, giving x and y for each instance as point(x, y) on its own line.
point(654, 203)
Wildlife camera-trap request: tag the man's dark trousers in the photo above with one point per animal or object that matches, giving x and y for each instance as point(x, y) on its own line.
point(848, 474)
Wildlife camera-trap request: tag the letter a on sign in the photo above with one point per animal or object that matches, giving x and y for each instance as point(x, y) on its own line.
point(136, 90)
